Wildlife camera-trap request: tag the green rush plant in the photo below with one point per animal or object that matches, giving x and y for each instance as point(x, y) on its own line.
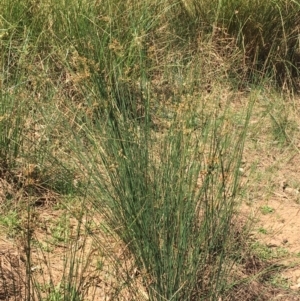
point(169, 196)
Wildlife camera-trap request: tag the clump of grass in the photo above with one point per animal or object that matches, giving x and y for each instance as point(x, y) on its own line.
point(169, 197)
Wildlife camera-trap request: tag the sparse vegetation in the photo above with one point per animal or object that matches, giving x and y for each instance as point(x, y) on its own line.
point(127, 130)
point(266, 209)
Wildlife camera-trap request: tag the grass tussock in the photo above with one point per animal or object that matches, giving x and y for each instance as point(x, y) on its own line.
point(170, 198)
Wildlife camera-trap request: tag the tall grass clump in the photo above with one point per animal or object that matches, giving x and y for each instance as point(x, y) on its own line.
point(170, 196)
point(168, 189)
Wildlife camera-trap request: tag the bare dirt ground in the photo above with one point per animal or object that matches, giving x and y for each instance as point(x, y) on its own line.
point(272, 199)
